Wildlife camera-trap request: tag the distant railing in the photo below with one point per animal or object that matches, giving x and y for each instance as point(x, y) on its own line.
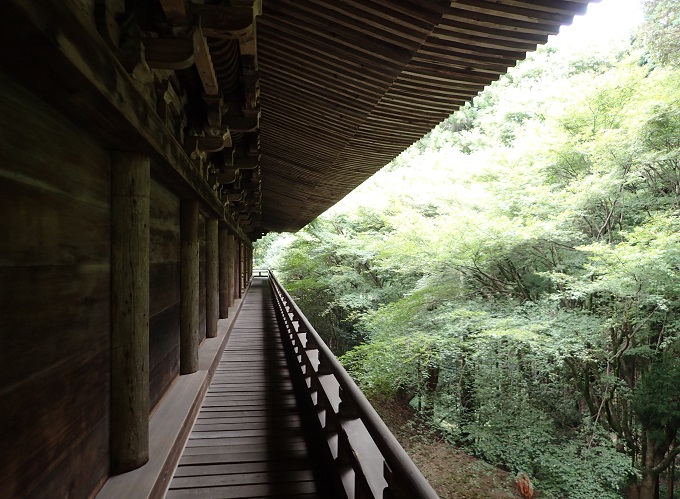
point(260, 273)
point(368, 458)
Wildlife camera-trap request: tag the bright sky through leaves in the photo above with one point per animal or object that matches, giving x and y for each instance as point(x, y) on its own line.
point(604, 21)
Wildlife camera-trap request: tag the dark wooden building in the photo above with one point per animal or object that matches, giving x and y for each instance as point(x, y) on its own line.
point(144, 145)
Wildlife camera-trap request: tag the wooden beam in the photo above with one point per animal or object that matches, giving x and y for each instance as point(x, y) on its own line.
point(208, 144)
point(220, 21)
point(72, 56)
point(105, 12)
point(170, 53)
point(212, 274)
point(241, 124)
point(228, 176)
point(204, 64)
point(189, 275)
point(175, 10)
point(129, 433)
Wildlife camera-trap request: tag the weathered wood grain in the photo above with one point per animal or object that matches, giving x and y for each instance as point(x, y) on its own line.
point(130, 197)
point(163, 352)
point(248, 437)
point(54, 300)
point(202, 280)
point(76, 57)
point(50, 421)
point(233, 266)
point(212, 277)
point(189, 267)
point(170, 425)
point(225, 271)
point(164, 290)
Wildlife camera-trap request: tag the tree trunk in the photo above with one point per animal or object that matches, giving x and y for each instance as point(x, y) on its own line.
point(647, 489)
point(670, 483)
point(430, 389)
point(654, 454)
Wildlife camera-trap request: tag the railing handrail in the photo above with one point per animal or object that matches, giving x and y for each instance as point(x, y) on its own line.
point(392, 452)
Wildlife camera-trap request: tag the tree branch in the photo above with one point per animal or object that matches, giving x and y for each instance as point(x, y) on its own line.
point(665, 463)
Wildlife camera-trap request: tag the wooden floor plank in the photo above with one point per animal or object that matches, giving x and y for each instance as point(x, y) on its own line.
point(237, 468)
point(248, 439)
point(211, 455)
point(267, 476)
point(273, 449)
point(251, 426)
point(245, 491)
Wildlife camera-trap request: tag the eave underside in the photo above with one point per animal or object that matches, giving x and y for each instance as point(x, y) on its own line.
point(347, 86)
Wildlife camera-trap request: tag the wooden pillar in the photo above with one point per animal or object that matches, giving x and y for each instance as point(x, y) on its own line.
point(242, 269)
point(225, 272)
point(188, 295)
point(232, 287)
point(246, 256)
point(249, 264)
point(245, 266)
point(212, 277)
point(229, 288)
point(129, 418)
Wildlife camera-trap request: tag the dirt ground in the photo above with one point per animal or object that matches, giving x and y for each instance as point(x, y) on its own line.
point(451, 472)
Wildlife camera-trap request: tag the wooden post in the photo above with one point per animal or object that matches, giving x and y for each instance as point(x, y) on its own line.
point(245, 265)
point(212, 277)
point(241, 268)
point(188, 296)
point(249, 264)
point(228, 287)
point(233, 285)
point(225, 272)
point(129, 423)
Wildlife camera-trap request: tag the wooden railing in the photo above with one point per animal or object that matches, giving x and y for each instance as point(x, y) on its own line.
point(368, 458)
point(260, 273)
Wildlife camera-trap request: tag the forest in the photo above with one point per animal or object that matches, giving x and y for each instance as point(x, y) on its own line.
point(515, 275)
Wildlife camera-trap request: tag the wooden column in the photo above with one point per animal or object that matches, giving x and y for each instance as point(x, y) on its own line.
point(246, 265)
point(241, 268)
point(225, 272)
point(234, 267)
point(129, 423)
point(188, 295)
point(230, 289)
point(249, 265)
point(212, 277)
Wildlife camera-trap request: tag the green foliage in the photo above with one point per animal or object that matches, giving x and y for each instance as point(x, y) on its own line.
point(661, 31)
point(515, 276)
point(589, 466)
point(657, 399)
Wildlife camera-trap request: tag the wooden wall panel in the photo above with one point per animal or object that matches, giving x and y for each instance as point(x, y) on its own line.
point(54, 302)
point(164, 292)
point(163, 352)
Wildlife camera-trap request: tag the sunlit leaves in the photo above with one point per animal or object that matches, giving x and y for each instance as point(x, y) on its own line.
point(516, 276)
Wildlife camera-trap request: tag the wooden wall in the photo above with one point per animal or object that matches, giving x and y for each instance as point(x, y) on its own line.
point(164, 291)
point(54, 302)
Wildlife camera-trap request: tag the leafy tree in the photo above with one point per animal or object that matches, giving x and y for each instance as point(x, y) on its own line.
point(515, 276)
point(661, 31)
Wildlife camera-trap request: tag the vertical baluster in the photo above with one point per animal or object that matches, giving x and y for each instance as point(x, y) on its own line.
point(347, 408)
point(388, 493)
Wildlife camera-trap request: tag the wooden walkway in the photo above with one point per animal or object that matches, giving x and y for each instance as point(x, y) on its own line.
point(248, 438)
